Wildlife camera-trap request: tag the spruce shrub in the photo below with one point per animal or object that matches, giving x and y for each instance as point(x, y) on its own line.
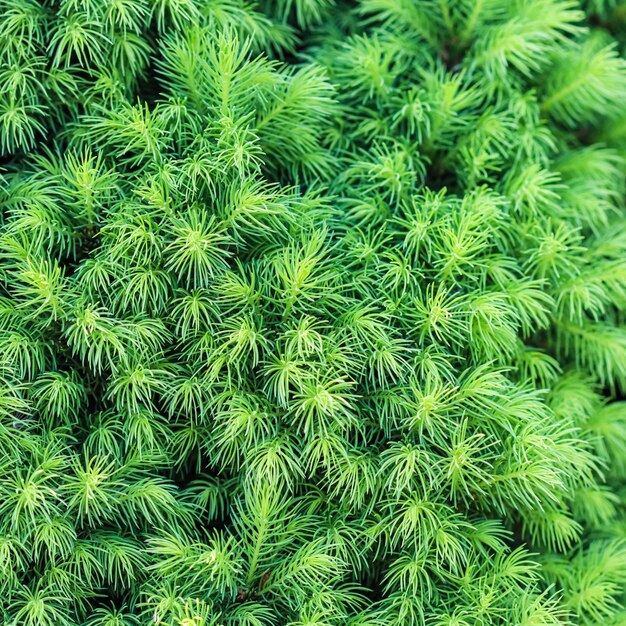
point(312, 313)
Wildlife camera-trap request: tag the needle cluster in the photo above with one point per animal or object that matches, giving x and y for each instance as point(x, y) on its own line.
point(312, 313)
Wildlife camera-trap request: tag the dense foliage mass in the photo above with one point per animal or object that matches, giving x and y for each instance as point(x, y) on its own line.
point(312, 313)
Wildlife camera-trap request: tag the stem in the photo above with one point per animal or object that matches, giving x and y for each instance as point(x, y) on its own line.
point(547, 104)
point(471, 21)
point(256, 553)
point(445, 12)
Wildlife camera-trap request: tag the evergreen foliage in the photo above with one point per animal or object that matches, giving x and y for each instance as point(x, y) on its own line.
point(312, 313)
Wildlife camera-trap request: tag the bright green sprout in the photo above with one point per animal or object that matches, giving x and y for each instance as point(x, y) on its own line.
point(312, 313)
